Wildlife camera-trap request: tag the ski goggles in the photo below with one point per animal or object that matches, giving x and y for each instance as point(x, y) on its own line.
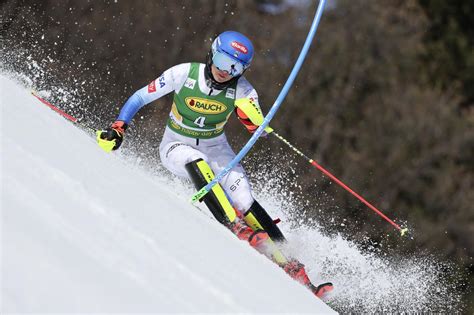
point(226, 63)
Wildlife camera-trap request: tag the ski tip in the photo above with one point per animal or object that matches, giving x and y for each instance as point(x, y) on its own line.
point(322, 290)
point(404, 231)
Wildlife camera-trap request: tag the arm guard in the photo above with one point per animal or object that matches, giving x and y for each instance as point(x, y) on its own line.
point(250, 114)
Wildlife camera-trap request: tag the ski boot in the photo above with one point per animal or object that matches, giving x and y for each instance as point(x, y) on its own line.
point(296, 270)
point(256, 238)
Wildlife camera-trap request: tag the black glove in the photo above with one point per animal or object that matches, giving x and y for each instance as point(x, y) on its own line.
point(112, 137)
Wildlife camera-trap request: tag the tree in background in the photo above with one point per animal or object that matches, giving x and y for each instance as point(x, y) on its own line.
point(449, 57)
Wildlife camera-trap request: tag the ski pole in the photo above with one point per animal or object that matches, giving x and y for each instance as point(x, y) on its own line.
point(403, 231)
point(62, 113)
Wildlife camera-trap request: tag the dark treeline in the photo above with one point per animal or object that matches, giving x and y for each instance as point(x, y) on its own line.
point(384, 100)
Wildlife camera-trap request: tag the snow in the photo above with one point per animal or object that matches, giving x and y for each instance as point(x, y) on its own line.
point(85, 231)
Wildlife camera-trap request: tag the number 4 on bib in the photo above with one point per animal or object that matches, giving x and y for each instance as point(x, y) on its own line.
point(200, 121)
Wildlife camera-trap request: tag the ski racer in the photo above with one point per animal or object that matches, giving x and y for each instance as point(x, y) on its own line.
point(195, 146)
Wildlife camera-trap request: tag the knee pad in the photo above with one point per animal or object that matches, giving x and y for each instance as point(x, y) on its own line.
point(216, 200)
point(257, 218)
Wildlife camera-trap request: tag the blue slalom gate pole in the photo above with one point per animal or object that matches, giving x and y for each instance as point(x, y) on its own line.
point(284, 91)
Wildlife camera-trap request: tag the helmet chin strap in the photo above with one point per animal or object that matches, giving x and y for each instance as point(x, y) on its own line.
point(211, 82)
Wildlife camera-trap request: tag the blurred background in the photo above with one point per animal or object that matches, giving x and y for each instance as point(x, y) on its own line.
point(385, 99)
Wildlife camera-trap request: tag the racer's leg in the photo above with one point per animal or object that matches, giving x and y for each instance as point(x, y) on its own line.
point(237, 187)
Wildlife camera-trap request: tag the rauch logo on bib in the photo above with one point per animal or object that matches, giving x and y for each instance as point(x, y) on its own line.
point(204, 106)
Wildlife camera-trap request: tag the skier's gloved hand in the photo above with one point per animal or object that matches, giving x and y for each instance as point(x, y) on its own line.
point(251, 127)
point(112, 137)
point(250, 115)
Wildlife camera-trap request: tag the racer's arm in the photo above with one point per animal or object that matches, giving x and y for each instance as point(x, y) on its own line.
point(243, 116)
point(172, 79)
point(247, 108)
point(168, 82)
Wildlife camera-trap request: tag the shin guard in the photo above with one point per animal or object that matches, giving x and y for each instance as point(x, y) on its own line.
point(257, 218)
point(216, 200)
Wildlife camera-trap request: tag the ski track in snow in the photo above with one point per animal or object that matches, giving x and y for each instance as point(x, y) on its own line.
point(104, 235)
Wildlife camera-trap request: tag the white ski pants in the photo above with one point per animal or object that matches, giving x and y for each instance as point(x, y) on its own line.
point(177, 150)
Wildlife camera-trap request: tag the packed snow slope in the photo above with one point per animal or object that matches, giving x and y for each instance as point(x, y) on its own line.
point(83, 231)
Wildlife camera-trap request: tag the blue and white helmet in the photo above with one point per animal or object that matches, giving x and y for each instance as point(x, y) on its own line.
point(232, 52)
